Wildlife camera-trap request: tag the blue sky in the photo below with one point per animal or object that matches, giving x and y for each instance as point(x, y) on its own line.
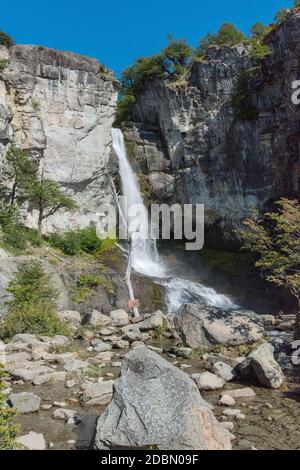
point(117, 32)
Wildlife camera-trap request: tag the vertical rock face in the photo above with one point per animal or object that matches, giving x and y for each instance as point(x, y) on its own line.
point(194, 148)
point(60, 107)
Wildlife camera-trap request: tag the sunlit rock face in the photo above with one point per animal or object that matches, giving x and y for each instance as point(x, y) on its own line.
point(60, 107)
point(192, 147)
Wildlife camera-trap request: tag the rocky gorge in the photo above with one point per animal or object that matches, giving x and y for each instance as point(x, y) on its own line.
point(211, 373)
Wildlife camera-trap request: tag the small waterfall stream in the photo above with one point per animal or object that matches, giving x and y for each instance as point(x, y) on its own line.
point(145, 257)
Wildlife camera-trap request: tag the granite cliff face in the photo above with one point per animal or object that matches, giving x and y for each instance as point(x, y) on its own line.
point(60, 107)
point(192, 147)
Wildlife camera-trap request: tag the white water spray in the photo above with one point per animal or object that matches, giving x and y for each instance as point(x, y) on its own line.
point(145, 257)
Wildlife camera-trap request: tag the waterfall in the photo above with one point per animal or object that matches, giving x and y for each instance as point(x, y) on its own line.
point(145, 257)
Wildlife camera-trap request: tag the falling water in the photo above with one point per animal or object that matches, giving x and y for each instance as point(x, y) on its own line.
point(145, 257)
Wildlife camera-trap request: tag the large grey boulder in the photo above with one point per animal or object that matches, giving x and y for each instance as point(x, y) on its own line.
point(32, 441)
point(200, 325)
point(156, 404)
point(25, 402)
point(267, 370)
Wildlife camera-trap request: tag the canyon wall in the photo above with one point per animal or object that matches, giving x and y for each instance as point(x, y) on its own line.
point(189, 145)
point(60, 106)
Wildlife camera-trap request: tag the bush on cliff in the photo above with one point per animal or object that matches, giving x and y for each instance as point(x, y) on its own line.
point(228, 35)
point(275, 240)
point(6, 40)
point(31, 306)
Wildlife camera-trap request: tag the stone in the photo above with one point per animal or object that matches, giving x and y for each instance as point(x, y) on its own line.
point(75, 364)
point(119, 317)
point(228, 425)
point(99, 319)
point(235, 413)
point(72, 317)
point(199, 325)
point(182, 352)
point(51, 377)
point(2, 347)
point(156, 404)
point(25, 402)
point(227, 400)
point(266, 369)
point(225, 371)
point(98, 393)
point(64, 414)
point(32, 441)
point(207, 381)
point(26, 338)
point(100, 346)
point(71, 383)
point(105, 356)
point(120, 344)
point(156, 319)
point(240, 393)
point(29, 375)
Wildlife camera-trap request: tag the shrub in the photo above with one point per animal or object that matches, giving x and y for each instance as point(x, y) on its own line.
point(6, 40)
point(3, 64)
point(8, 430)
point(259, 50)
point(32, 303)
point(124, 109)
point(228, 35)
point(80, 241)
point(38, 319)
point(281, 16)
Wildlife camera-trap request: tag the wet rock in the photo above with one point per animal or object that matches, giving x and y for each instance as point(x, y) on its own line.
point(154, 403)
point(51, 377)
point(199, 325)
point(207, 381)
point(181, 352)
point(25, 402)
point(227, 400)
point(72, 317)
point(99, 319)
point(100, 346)
point(64, 414)
point(156, 319)
point(119, 317)
point(225, 371)
point(75, 364)
point(97, 393)
point(266, 369)
point(237, 414)
point(240, 393)
point(32, 441)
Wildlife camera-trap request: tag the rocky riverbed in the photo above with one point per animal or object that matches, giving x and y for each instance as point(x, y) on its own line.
point(61, 386)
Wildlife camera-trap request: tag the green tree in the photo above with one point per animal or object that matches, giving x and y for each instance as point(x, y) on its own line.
point(32, 302)
point(259, 31)
point(46, 195)
point(228, 35)
point(8, 430)
point(6, 40)
point(21, 170)
point(281, 16)
point(275, 240)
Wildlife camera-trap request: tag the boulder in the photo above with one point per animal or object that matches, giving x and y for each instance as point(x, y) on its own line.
point(72, 317)
point(32, 441)
point(207, 381)
point(100, 346)
point(58, 376)
point(200, 325)
point(64, 414)
point(119, 317)
point(224, 370)
point(97, 393)
point(266, 369)
point(240, 393)
point(99, 319)
point(25, 402)
point(226, 400)
point(156, 404)
point(156, 319)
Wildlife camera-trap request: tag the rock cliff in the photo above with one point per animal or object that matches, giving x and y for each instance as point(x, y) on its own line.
point(192, 147)
point(61, 107)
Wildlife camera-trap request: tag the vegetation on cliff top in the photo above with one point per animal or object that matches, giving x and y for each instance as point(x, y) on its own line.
point(173, 63)
point(274, 238)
